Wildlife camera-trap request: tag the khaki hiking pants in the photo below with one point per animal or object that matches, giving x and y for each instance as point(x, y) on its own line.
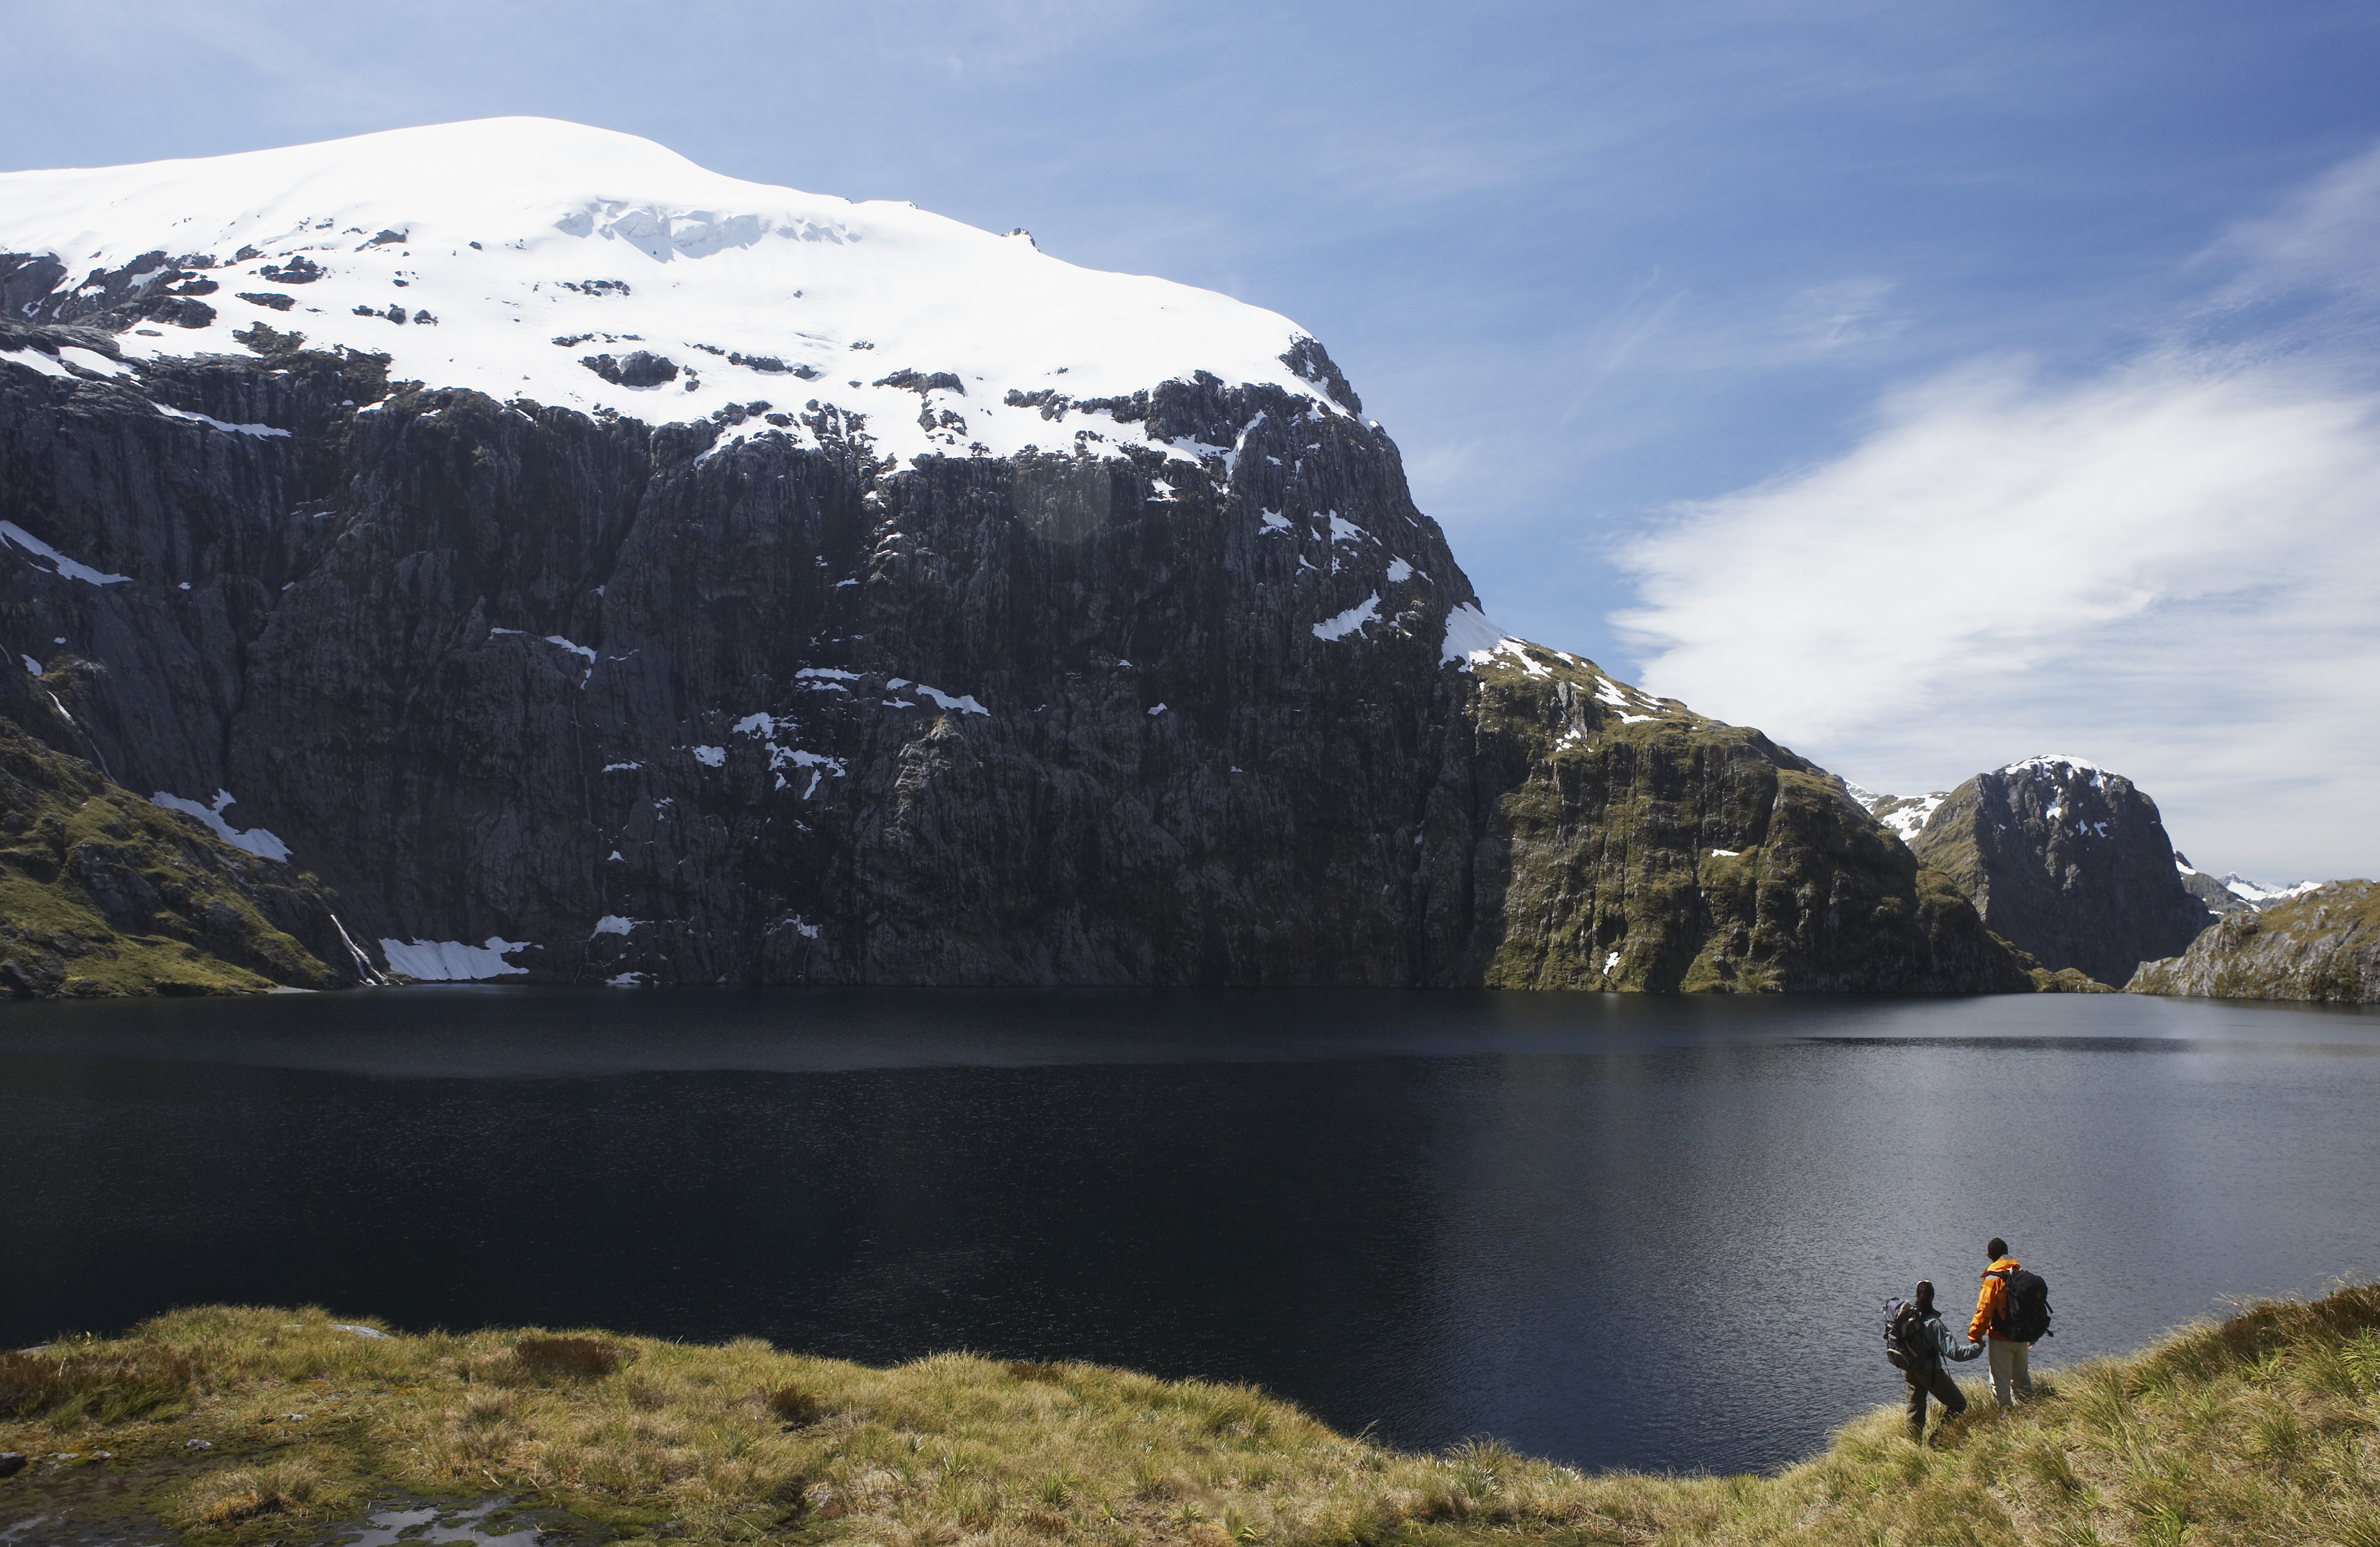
point(2010, 1379)
point(1932, 1381)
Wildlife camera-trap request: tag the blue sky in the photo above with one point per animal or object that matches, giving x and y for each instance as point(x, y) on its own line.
point(1932, 386)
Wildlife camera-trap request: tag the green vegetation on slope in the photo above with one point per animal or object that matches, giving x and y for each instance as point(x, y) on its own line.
point(2323, 946)
point(1644, 847)
point(2263, 1429)
point(102, 893)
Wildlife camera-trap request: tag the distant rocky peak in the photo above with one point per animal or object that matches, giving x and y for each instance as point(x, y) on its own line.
point(2070, 793)
point(2219, 899)
point(2259, 895)
point(2235, 893)
point(2070, 861)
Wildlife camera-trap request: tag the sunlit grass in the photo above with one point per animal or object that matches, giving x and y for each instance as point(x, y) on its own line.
point(2262, 1429)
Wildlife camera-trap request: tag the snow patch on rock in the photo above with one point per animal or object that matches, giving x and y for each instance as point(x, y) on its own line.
point(1471, 637)
point(255, 840)
point(451, 961)
point(16, 536)
point(1351, 620)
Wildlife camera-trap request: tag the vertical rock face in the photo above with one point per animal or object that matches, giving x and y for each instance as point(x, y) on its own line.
point(2068, 862)
point(2323, 945)
point(1034, 652)
point(647, 703)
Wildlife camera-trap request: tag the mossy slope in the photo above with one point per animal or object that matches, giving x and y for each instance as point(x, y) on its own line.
point(105, 893)
point(1638, 844)
point(2323, 946)
point(2264, 1428)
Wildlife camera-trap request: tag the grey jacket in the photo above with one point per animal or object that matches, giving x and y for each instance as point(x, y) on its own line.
point(1943, 1343)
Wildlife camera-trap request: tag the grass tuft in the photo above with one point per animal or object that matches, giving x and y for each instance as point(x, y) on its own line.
point(569, 1358)
point(236, 1497)
point(797, 1408)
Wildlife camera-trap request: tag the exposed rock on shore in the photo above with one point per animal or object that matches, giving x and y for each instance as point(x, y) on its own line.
point(103, 894)
point(2323, 945)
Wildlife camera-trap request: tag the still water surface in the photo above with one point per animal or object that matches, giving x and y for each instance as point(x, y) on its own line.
point(1610, 1230)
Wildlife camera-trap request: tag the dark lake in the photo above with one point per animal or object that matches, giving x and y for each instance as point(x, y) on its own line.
point(1617, 1231)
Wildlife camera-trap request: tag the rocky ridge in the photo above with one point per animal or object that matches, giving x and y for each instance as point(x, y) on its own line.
point(2218, 895)
point(1181, 689)
point(2323, 945)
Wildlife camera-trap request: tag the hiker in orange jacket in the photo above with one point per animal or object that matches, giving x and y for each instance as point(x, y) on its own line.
point(2010, 1378)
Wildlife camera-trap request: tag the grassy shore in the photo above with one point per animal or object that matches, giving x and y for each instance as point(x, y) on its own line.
point(246, 1425)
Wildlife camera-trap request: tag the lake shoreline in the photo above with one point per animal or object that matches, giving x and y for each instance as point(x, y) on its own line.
point(1428, 1216)
point(233, 1426)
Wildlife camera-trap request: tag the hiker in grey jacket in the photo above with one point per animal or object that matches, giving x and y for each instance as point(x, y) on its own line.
point(1933, 1377)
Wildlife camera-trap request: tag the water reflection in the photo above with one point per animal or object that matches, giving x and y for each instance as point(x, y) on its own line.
point(1615, 1231)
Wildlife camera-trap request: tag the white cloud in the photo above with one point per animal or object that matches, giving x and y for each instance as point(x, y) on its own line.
point(2169, 570)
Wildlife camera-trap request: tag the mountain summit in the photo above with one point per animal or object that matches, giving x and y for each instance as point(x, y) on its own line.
point(2067, 861)
point(509, 550)
point(528, 258)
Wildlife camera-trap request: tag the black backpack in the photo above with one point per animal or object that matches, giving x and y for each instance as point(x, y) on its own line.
point(1906, 1346)
point(2025, 1312)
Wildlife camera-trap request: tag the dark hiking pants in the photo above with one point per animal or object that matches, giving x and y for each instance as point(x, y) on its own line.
point(1935, 1382)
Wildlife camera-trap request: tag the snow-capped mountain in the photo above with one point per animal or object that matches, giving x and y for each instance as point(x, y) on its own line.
point(1907, 815)
point(505, 255)
point(598, 569)
point(2263, 896)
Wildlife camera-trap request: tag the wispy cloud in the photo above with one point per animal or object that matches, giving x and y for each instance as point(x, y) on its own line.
point(2168, 567)
point(2325, 236)
point(1827, 318)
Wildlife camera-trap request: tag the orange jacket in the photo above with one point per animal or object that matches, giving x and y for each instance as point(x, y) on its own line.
point(1992, 1298)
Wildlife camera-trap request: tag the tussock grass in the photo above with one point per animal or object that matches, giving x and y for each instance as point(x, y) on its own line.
point(107, 1383)
point(2264, 1427)
point(582, 1358)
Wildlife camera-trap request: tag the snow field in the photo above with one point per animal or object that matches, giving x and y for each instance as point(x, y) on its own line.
point(495, 238)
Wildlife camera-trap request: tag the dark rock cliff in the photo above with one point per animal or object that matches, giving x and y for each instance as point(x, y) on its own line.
point(673, 704)
point(2069, 863)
